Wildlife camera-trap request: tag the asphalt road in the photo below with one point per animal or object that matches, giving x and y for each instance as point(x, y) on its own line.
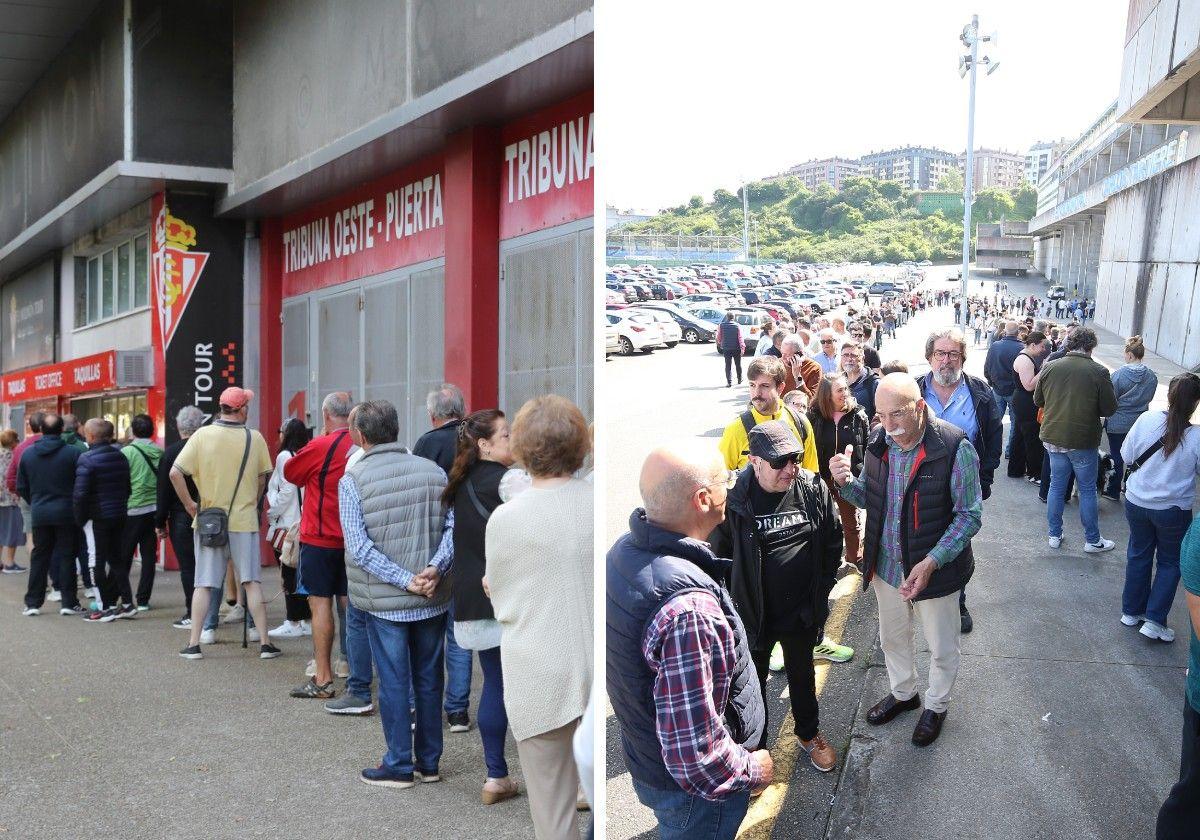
point(1064, 724)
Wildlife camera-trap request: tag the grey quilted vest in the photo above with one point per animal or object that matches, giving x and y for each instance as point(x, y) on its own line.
point(402, 508)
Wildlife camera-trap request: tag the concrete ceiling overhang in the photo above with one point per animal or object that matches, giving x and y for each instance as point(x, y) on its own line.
point(32, 33)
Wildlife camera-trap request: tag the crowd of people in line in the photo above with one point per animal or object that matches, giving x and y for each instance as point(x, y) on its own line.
point(726, 570)
point(478, 540)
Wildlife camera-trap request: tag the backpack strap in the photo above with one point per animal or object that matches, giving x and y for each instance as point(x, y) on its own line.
point(479, 508)
point(747, 421)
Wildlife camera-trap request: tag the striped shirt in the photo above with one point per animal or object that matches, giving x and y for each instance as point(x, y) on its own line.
point(362, 552)
point(690, 646)
point(964, 490)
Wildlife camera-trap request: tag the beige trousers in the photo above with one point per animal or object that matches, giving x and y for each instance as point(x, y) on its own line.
point(552, 782)
point(942, 625)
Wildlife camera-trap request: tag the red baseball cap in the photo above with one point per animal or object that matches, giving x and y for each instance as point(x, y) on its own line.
point(236, 397)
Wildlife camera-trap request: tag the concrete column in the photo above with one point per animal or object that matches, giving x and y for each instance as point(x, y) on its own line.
point(1092, 258)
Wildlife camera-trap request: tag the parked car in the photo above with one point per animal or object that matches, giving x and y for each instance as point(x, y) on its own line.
point(672, 334)
point(693, 330)
point(612, 340)
point(881, 288)
point(1057, 293)
point(637, 332)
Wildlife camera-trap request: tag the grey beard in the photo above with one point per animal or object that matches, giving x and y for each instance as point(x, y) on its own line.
point(945, 381)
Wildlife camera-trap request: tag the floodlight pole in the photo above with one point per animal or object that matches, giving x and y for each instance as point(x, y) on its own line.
point(745, 222)
point(971, 35)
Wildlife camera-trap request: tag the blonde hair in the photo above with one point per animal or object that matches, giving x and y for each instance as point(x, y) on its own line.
point(8, 439)
point(550, 436)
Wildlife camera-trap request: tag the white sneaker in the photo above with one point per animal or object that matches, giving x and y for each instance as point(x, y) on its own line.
point(305, 628)
point(1132, 620)
point(287, 630)
point(236, 613)
point(341, 668)
point(252, 635)
point(31, 611)
point(1055, 542)
point(1154, 630)
point(208, 637)
point(54, 596)
point(310, 670)
point(1097, 548)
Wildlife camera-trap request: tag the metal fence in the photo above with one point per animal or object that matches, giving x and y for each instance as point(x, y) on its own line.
point(671, 246)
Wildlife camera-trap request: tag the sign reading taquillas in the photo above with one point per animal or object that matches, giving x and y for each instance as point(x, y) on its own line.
point(78, 376)
point(396, 220)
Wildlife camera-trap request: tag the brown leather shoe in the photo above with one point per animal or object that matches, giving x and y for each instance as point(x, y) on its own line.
point(889, 707)
point(928, 728)
point(820, 753)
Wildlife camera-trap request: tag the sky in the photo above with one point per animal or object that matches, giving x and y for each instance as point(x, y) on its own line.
point(699, 95)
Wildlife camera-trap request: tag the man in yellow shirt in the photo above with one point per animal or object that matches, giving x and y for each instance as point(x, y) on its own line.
point(766, 376)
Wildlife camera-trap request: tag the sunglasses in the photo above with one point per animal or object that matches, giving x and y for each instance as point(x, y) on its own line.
point(827, 341)
point(783, 460)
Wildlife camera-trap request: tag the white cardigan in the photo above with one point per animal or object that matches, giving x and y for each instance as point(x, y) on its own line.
point(539, 570)
point(283, 497)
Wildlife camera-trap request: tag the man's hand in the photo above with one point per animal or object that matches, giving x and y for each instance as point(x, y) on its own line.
point(839, 466)
point(917, 579)
point(762, 759)
point(191, 507)
point(431, 578)
point(161, 533)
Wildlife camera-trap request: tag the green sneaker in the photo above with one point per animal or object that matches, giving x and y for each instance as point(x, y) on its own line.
point(776, 664)
point(834, 653)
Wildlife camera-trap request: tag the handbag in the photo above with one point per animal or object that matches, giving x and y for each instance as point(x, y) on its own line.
point(289, 546)
point(1131, 468)
point(212, 523)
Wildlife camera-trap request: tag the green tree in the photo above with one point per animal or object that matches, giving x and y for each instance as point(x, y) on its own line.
point(952, 181)
point(1024, 201)
point(992, 204)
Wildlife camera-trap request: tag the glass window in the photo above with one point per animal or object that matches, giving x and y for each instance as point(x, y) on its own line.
point(93, 285)
point(124, 292)
point(106, 290)
point(141, 271)
point(81, 286)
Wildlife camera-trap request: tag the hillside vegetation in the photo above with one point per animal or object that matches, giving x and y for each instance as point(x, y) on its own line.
point(867, 220)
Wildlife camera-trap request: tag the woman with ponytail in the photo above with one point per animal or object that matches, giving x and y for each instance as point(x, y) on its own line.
point(1158, 504)
point(482, 458)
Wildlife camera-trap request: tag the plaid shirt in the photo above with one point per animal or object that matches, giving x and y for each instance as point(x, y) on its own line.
point(691, 647)
point(968, 508)
point(362, 552)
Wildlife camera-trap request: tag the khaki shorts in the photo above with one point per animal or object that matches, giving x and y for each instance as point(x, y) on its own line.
point(244, 549)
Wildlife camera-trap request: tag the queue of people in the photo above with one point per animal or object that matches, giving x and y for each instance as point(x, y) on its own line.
point(725, 572)
point(407, 555)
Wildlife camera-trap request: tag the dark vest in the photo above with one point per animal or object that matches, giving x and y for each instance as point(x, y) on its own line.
point(927, 511)
point(646, 568)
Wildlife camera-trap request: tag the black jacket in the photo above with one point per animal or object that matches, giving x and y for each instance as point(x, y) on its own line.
point(989, 423)
point(998, 368)
point(102, 484)
point(439, 445)
point(863, 392)
point(46, 480)
point(168, 504)
point(852, 430)
point(470, 602)
point(737, 538)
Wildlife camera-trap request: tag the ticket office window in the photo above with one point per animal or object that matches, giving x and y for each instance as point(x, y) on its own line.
point(378, 338)
point(117, 409)
point(546, 317)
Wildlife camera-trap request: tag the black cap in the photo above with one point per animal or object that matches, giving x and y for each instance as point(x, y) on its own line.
point(772, 440)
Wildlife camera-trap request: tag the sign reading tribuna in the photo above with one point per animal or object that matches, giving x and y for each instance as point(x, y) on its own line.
point(196, 283)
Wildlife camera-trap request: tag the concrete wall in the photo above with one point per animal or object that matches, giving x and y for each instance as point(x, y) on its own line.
point(1149, 259)
point(308, 72)
point(1161, 35)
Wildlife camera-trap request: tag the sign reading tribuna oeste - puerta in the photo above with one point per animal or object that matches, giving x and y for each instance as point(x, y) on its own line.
point(196, 281)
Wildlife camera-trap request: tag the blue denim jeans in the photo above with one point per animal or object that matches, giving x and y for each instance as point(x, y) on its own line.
point(1083, 464)
point(458, 671)
point(404, 651)
point(1115, 439)
point(492, 718)
point(1002, 404)
point(358, 653)
point(215, 596)
point(682, 816)
point(1151, 532)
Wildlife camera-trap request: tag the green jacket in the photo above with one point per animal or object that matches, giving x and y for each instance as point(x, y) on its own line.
point(143, 476)
point(72, 439)
point(1075, 393)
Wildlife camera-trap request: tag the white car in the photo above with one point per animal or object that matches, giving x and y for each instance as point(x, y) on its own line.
point(672, 334)
point(1057, 293)
point(636, 332)
point(612, 340)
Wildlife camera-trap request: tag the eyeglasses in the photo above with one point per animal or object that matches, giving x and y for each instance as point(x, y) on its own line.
point(827, 341)
point(783, 460)
point(727, 482)
point(952, 355)
point(898, 414)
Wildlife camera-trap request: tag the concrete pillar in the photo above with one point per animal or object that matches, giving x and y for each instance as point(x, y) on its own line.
point(1092, 257)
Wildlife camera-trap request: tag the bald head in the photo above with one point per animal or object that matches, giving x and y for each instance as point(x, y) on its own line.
point(671, 475)
point(1010, 327)
point(900, 387)
point(900, 407)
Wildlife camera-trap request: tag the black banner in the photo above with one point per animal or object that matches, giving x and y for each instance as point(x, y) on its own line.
point(203, 315)
point(28, 328)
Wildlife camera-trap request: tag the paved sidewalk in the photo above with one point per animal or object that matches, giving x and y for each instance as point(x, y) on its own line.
point(105, 731)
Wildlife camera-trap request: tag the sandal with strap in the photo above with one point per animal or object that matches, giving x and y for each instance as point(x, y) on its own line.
point(508, 791)
point(313, 691)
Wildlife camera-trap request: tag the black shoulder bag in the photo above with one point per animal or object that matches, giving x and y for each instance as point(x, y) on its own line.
point(212, 524)
point(1130, 469)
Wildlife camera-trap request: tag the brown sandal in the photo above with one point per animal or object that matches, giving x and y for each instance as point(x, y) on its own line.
point(491, 797)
